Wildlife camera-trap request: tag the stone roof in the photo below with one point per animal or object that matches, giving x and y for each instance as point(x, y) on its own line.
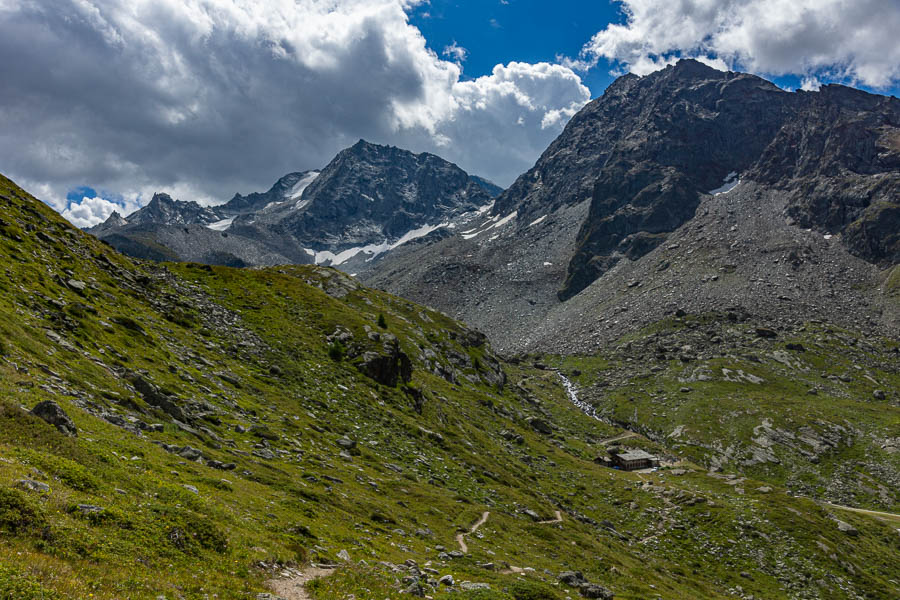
point(636, 455)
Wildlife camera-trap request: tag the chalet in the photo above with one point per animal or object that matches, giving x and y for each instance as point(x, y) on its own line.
point(633, 459)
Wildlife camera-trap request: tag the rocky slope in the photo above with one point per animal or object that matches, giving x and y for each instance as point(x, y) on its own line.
point(367, 201)
point(712, 173)
point(193, 431)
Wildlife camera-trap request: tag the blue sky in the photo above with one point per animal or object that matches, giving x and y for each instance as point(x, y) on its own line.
point(495, 31)
point(517, 30)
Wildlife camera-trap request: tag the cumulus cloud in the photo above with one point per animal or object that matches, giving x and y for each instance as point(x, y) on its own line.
point(205, 98)
point(90, 211)
point(847, 41)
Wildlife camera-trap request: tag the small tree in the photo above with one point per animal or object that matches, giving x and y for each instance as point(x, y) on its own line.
point(337, 350)
point(381, 322)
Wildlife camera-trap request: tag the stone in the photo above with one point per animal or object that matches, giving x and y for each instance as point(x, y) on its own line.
point(345, 443)
point(446, 580)
point(540, 425)
point(765, 332)
point(531, 514)
point(572, 578)
point(592, 590)
point(78, 286)
point(847, 528)
point(468, 586)
point(189, 453)
point(52, 413)
point(415, 589)
point(34, 486)
point(191, 488)
point(344, 556)
point(879, 395)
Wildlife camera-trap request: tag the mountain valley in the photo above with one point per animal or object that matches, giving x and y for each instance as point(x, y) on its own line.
point(390, 378)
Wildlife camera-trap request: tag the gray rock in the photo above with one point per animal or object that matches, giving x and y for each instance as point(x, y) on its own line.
point(76, 285)
point(572, 578)
point(34, 486)
point(51, 412)
point(344, 555)
point(847, 528)
point(879, 395)
point(190, 453)
point(592, 590)
point(190, 488)
point(446, 580)
point(415, 589)
point(540, 425)
point(346, 443)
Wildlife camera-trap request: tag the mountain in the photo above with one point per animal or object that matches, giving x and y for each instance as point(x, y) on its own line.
point(688, 189)
point(201, 431)
point(367, 201)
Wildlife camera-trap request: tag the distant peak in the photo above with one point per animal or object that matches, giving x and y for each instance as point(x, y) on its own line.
point(690, 67)
point(161, 198)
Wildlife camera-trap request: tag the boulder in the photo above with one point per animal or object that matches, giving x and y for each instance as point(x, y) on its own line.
point(540, 425)
point(51, 412)
point(34, 486)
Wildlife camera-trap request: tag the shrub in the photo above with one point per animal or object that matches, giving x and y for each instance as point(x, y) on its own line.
point(337, 350)
point(532, 590)
point(381, 321)
point(17, 513)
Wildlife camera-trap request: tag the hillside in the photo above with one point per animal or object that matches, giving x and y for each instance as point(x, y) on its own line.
point(231, 426)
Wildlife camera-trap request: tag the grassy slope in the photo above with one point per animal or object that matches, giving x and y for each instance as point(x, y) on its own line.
point(245, 348)
point(709, 408)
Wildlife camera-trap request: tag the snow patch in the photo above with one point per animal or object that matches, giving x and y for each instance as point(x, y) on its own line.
point(373, 250)
point(548, 264)
point(491, 224)
point(301, 185)
point(221, 225)
point(731, 181)
point(296, 192)
point(536, 221)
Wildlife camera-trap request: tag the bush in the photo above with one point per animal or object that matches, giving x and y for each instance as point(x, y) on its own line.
point(17, 513)
point(381, 321)
point(337, 350)
point(531, 590)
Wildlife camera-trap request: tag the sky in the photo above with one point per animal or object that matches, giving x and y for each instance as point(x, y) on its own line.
point(105, 102)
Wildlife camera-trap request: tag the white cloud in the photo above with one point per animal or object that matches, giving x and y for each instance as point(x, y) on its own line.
point(455, 52)
point(205, 98)
point(810, 84)
point(90, 211)
point(852, 41)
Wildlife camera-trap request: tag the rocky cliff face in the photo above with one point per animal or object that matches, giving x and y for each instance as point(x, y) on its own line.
point(713, 157)
point(683, 130)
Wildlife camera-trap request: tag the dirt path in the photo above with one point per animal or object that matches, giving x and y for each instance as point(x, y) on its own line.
point(617, 438)
point(461, 537)
point(873, 513)
point(294, 588)
point(558, 519)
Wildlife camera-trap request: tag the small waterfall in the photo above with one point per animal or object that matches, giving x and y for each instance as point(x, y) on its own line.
point(573, 397)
